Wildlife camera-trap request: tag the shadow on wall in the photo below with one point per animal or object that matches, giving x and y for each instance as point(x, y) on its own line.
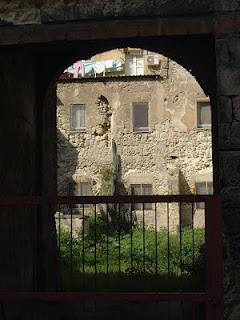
point(186, 207)
point(119, 188)
point(67, 159)
point(184, 186)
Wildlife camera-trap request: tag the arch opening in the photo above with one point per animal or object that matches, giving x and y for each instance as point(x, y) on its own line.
point(133, 121)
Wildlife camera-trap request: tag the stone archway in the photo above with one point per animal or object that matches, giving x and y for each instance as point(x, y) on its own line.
point(194, 52)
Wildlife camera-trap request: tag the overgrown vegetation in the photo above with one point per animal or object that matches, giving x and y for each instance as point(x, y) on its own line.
point(107, 172)
point(135, 259)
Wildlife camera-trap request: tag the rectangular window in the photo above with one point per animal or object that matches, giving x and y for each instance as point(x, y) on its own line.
point(140, 116)
point(77, 117)
point(134, 65)
point(73, 192)
point(204, 114)
point(80, 189)
point(85, 189)
point(203, 188)
point(142, 190)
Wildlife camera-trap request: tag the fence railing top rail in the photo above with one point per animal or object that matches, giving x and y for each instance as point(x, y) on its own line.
point(105, 296)
point(38, 200)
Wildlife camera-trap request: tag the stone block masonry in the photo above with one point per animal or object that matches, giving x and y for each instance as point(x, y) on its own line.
point(170, 155)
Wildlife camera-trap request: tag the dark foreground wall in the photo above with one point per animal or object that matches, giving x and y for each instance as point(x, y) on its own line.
point(45, 11)
point(24, 231)
point(17, 169)
point(32, 54)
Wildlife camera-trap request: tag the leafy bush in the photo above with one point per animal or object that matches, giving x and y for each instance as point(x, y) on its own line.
point(138, 256)
point(107, 172)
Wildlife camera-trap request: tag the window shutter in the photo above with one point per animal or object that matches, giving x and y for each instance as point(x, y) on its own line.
point(210, 187)
point(201, 188)
point(142, 189)
point(139, 66)
point(147, 189)
point(140, 116)
point(82, 117)
point(74, 124)
point(136, 189)
point(86, 189)
point(204, 114)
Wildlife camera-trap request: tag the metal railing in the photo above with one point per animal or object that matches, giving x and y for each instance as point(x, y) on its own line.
point(128, 248)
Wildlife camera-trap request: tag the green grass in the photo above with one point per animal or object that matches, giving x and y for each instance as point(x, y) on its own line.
point(141, 269)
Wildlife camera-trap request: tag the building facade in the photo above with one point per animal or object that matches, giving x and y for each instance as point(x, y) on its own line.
point(146, 130)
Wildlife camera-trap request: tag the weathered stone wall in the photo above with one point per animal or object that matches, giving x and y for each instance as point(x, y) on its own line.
point(18, 163)
point(173, 143)
point(21, 229)
point(45, 11)
point(228, 66)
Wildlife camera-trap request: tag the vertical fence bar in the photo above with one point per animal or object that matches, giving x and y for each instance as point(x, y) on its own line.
point(168, 258)
point(180, 241)
point(193, 238)
point(214, 259)
point(107, 247)
point(156, 239)
point(131, 237)
point(71, 248)
point(168, 242)
point(95, 245)
point(59, 232)
point(193, 206)
point(83, 247)
point(181, 258)
point(119, 239)
point(59, 239)
point(144, 244)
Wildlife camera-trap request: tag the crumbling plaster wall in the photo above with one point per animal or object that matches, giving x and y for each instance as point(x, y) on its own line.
point(173, 140)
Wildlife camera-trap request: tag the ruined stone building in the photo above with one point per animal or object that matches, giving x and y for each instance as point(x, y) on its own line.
point(148, 126)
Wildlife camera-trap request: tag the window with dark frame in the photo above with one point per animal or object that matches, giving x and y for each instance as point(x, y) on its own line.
point(80, 189)
point(204, 187)
point(77, 117)
point(204, 118)
point(140, 112)
point(141, 190)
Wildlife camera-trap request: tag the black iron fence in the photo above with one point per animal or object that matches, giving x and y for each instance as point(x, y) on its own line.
point(117, 246)
point(135, 248)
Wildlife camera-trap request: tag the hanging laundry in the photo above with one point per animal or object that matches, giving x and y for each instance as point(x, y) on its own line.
point(118, 64)
point(78, 68)
point(108, 64)
point(88, 68)
point(99, 67)
point(69, 70)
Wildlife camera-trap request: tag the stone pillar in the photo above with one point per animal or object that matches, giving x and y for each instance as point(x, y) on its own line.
point(228, 117)
point(27, 168)
point(49, 263)
point(17, 170)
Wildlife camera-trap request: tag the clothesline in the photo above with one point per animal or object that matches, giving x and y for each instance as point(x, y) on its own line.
point(88, 67)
